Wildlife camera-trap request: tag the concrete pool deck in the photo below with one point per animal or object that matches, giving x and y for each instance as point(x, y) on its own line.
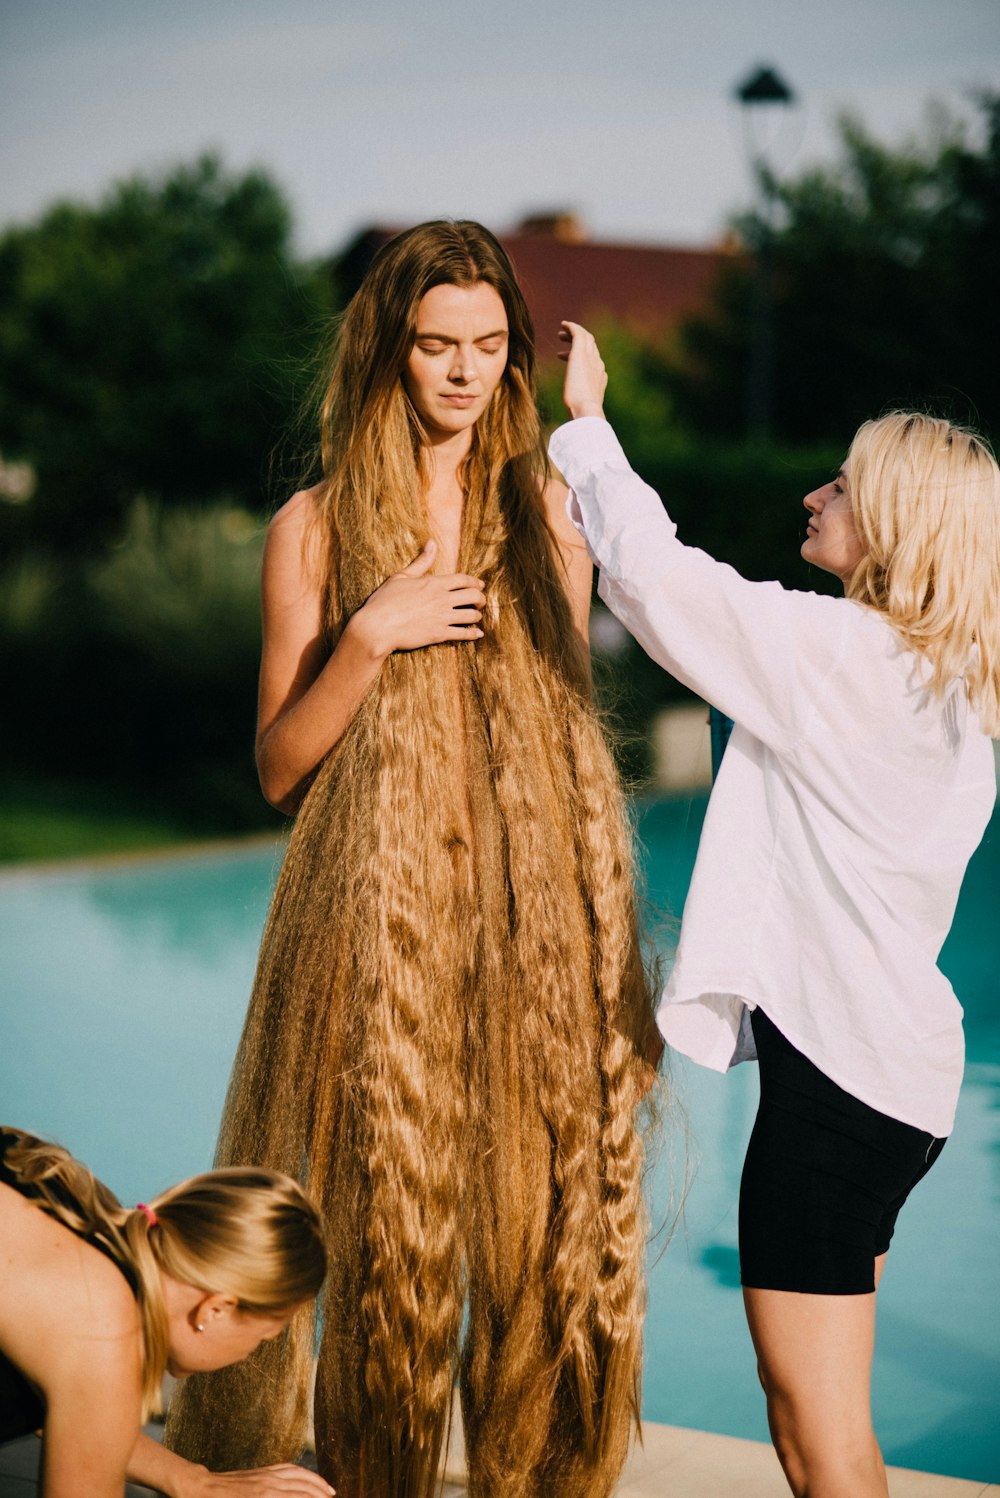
point(673, 1463)
point(678, 1463)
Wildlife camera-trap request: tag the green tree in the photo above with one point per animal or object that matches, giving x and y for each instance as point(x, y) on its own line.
point(152, 345)
point(885, 274)
point(638, 402)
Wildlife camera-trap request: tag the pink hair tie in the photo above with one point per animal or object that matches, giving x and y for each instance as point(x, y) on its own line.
point(149, 1214)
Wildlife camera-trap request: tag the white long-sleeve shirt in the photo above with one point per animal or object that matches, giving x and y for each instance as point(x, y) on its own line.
point(847, 807)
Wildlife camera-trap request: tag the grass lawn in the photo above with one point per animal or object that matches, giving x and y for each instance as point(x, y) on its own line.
point(46, 821)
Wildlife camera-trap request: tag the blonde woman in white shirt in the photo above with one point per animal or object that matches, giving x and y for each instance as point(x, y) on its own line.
point(858, 781)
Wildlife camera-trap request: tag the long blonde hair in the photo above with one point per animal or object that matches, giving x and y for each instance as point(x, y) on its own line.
point(251, 1234)
point(446, 1029)
point(926, 500)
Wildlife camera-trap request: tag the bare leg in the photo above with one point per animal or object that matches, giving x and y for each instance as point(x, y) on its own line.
point(814, 1357)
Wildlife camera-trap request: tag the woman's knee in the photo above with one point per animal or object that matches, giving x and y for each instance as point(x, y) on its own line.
point(820, 1454)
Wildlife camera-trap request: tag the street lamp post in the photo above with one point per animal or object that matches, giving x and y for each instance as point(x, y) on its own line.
point(762, 91)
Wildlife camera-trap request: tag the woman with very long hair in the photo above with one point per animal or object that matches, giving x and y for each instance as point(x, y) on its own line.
point(858, 781)
point(97, 1302)
point(447, 1034)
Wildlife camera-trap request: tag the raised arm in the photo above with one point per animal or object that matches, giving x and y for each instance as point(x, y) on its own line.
point(307, 696)
point(756, 650)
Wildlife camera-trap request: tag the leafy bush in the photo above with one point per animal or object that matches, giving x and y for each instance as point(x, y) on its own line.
point(182, 587)
point(138, 670)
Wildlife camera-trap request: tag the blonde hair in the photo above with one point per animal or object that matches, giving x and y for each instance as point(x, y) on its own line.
point(251, 1234)
point(446, 1029)
point(926, 501)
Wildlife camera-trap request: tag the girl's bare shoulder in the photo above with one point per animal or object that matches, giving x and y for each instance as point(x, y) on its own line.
point(302, 510)
point(296, 537)
point(58, 1295)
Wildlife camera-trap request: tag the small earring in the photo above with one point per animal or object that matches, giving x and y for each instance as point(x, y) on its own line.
point(198, 1327)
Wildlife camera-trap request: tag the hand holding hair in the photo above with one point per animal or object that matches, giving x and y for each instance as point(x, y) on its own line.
point(414, 608)
point(586, 378)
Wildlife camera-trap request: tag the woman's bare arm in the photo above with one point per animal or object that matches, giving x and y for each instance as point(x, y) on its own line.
point(87, 1346)
point(578, 568)
point(91, 1421)
point(307, 696)
point(69, 1322)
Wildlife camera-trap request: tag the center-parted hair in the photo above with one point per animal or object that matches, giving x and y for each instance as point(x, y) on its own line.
point(446, 1031)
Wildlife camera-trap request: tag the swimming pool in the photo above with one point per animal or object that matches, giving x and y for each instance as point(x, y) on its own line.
point(124, 987)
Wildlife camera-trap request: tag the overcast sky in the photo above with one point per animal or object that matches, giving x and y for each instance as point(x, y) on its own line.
point(394, 111)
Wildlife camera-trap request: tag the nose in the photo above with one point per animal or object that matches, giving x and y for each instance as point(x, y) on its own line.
point(815, 501)
point(462, 368)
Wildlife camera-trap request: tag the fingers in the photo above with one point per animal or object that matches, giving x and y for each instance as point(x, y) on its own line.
point(466, 598)
point(283, 1480)
point(586, 377)
point(456, 633)
point(298, 1480)
point(467, 613)
point(578, 337)
point(452, 582)
point(467, 605)
point(424, 562)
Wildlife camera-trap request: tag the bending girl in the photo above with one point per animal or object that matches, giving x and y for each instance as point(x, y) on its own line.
point(98, 1302)
point(447, 1027)
point(858, 781)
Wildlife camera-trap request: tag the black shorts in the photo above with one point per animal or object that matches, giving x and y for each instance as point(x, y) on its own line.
point(824, 1178)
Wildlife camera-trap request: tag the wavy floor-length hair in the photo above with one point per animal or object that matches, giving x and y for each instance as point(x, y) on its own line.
point(926, 499)
point(247, 1233)
point(450, 1009)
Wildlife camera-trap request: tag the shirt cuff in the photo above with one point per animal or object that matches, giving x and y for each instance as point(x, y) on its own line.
point(579, 446)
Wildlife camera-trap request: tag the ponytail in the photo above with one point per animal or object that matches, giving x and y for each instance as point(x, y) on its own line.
point(250, 1233)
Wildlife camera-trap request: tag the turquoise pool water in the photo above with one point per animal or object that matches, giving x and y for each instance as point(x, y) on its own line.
point(124, 987)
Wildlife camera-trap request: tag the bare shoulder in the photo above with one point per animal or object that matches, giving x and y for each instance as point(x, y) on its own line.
point(554, 497)
point(298, 519)
point(61, 1300)
point(299, 512)
point(294, 552)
